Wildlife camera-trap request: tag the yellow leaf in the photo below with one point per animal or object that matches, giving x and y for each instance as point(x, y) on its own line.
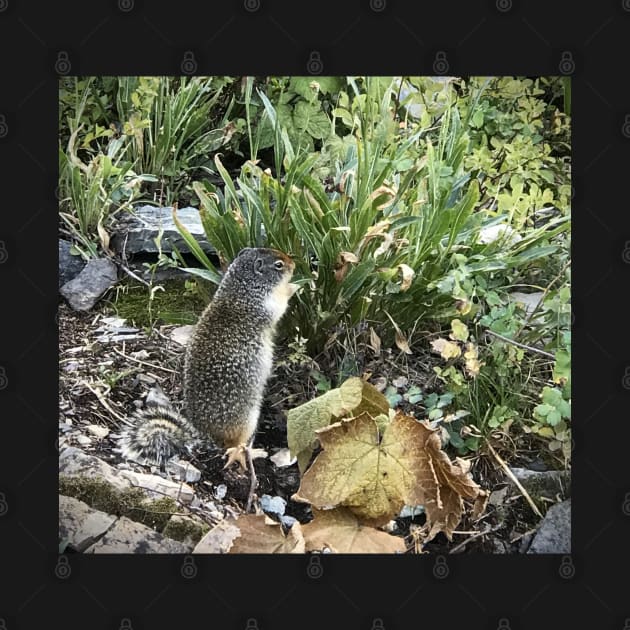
point(472, 363)
point(259, 534)
point(339, 531)
point(460, 330)
point(447, 349)
point(375, 477)
point(303, 421)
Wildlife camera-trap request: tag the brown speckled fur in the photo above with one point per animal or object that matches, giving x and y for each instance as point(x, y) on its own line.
point(227, 364)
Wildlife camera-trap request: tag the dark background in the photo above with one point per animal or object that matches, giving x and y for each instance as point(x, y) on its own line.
point(38, 42)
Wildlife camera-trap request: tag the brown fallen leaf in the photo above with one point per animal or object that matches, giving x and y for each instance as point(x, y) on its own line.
point(339, 531)
point(260, 534)
point(375, 476)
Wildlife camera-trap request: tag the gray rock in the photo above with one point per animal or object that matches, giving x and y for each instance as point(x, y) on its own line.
point(554, 533)
point(137, 232)
point(84, 291)
point(80, 525)
point(127, 536)
point(69, 266)
point(157, 487)
point(73, 461)
point(183, 470)
point(97, 430)
point(219, 539)
point(272, 505)
point(547, 484)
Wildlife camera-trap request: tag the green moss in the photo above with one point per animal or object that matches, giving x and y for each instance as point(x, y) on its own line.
point(185, 529)
point(131, 502)
point(180, 302)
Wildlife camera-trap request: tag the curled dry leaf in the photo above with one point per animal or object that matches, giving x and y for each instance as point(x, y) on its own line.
point(447, 349)
point(260, 534)
point(374, 475)
point(407, 276)
point(340, 531)
point(400, 339)
point(375, 342)
point(342, 264)
point(386, 193)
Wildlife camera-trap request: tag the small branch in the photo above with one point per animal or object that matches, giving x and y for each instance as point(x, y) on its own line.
point(519, 344)
point(155, 367)
point(476, 535)
point(101, 399)
point(516, 482)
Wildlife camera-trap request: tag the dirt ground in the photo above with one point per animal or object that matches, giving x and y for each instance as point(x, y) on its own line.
point(102, 381)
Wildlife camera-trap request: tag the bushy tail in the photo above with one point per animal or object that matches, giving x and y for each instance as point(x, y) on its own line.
point(155, 434)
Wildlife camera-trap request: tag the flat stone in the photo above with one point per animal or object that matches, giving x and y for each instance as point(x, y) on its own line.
point(127, 536)
point(70, 265)
point(137, 231)
point(219, 539)
point(73, 461)
point(80, 525)
point(83, 291)
point(157, 487)
point(97, 430)
point(554, 533)
point(547, 484)
point(273, 505)
point(183, 470)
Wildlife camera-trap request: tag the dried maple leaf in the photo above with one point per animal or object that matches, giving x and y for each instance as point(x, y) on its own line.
point(376, 476)
point(339, 531)
point(303, 421)
point(260, 534)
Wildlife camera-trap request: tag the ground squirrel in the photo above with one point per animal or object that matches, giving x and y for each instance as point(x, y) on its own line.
point(228, 361)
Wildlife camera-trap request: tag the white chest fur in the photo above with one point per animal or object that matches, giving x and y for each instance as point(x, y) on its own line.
point(278, 300)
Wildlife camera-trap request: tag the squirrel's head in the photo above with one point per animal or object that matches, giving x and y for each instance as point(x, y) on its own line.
point(263, 275)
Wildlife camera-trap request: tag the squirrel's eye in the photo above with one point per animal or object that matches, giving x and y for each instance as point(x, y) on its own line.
point(278, 265)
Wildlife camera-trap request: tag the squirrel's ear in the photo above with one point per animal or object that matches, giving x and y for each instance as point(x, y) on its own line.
point(259, 263)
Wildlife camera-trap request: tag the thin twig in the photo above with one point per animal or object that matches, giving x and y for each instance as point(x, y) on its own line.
point(476, 535)
point(517, 483)
point(151, 365)
point(519, 344)
point(133, 275)
point(101, 399)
